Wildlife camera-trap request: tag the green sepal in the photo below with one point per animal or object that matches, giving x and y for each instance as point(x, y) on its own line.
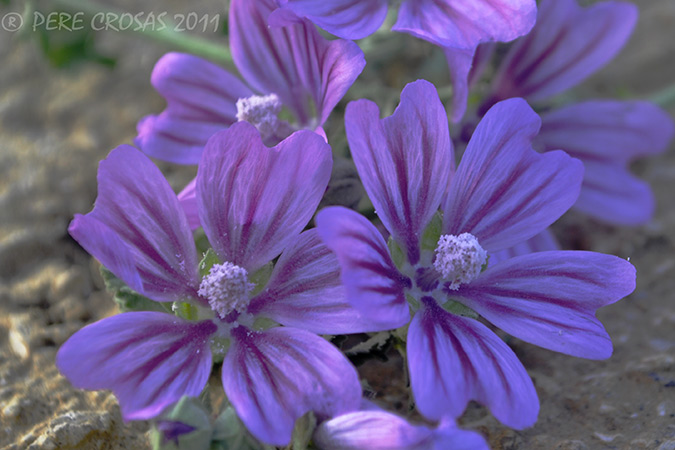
point(126, 298)
point(208, 260)
point(396, 253)
point(191, 412)
point(432, 233)
point(302, 432)
point(459, 309)
point(230, 434)
point(485, 265)
point(185, 310)
point(261, 277)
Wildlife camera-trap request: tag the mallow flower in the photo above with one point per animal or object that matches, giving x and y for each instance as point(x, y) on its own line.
point(568, 44)
point(434, 267)
point(292, 71)
point(253, 201)
point(456, 26)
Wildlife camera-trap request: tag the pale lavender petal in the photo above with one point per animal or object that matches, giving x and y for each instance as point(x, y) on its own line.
point(347, 19)
point(542, 242)
point(372, 283)
point(201, 99)
point(568, 44)
point(188, 200)
point(454, 359)
point(138, 230)
point(550, 298)
point(254, 200)
point(305, 292)
point(465, 24)
point(614, 131)
point(611, 194)
point(309, 73)
point(273, 377)
point(148, 359)
point(404, 161)
point(504, 192)
point(459, 63)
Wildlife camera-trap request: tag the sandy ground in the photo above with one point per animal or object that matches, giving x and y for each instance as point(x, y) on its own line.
point(55, 125)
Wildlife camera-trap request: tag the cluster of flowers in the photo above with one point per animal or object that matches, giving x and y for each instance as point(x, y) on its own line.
point(463, 243)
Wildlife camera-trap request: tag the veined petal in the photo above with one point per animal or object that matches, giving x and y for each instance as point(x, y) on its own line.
point(305, 292)
point(404, 161)
point(568, 44)
point(188, 200)
point(550, 298)
point(148, 359)
point(542, 242)
point(201, 99)
point(453, 359)
point(138, 230)
point(347, 19)
point(464, 25)
point(309, 73)
point(504, 192)
point(459, 63)
point(612, 195)
point(254, 200)
point(372, 283)
point(609, 130)
point(275, 376)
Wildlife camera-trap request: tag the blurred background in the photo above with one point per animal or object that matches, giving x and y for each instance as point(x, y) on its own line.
point(68, 96)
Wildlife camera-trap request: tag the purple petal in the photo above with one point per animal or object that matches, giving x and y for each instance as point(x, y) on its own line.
point(347, 19)
point(550, 298)
point(612, 195)
point(615, 131)
point(404, 161)
point(138, 229)
point(542, 242)
point(464, 25)
point(273, 377)
point(148, 359)
point(254, 200)
point(201, 99)
point(295, 62)
point(188, 200)
point(305, 291)
point(504, 192)
point(568, 44)
point(459, 63)
point(372, 283)
point(453, 360)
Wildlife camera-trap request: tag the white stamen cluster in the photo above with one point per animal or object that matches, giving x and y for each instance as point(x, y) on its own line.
point(226, 287)
point(261, 111)
point(459, 259)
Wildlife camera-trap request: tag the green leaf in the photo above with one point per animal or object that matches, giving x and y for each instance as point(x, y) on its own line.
point(191, 412)
point(230, 434)
point(126, 298)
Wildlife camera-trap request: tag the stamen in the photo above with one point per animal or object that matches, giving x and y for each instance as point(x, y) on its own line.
point(459, 259)
point(261, 112)
point(227, 289)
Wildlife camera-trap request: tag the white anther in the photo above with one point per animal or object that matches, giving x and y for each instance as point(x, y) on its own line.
point(261, 111)
point(227, 289)
point(459, 259)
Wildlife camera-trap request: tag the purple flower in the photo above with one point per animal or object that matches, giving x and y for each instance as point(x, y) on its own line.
point(457, 26)
point(568, 44)
point(293, 68)
point(380, 430)
point(502, 193)
point(253, 202)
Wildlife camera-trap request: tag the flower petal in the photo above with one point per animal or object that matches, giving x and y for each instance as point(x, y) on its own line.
point(464, 25)
point(347, 19)
point(612, 195)
point(504, 192)
point(372, 283)
point(254, 200)
point(295, 62)
point(201, 99)
point(453, 360)
point(148, 359)
point(615, 131)
point(275, 376)
point(459, 63)
point(550, 298)
point(188, 200)
point(138, 230)
point(305, 292)
point(568, 44)
point(404, 161)
point(542, 242)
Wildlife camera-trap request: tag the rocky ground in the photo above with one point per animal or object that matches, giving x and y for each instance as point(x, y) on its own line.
point(56, 124)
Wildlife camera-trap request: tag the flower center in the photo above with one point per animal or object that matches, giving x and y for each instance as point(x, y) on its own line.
point(459, 259)
point(227, 289)
point(260, 111)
